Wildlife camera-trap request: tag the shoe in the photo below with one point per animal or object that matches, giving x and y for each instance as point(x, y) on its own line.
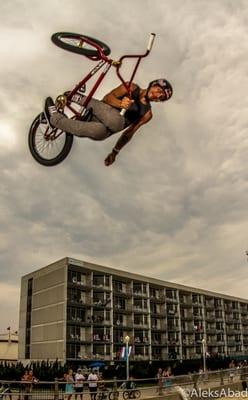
point(49, 109)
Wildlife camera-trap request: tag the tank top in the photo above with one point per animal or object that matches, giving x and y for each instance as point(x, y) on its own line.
point(137, 110)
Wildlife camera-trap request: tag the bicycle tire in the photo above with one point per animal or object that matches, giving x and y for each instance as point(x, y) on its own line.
point(137, 393)
point(59, 37)
point(63, 153)
point(113, 395)
point(125, 395)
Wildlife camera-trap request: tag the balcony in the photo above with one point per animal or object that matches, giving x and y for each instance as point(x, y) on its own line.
point(161, 343)
point(139, 293)
point(101, 288)
point(79, 320)
point(140, 326)
point(211, 331)
point(84, 284)
point(127, 324)
point(141, 341)
point(210, 318)
point(160, 299)
point(171, 299)
point(159, 327)
point(97, 338)
point(187, 317)
point(77, 338)
point(125, 308)
point(140, 310)
point(126, 292)
point(188, 343)
point(174, 328)
point(86, 302)
point(98, 303)
point(209, 307)
point(140, 357)
point(186, 304)
point(102, 323)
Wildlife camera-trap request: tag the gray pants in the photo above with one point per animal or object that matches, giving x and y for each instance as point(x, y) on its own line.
point(106, 121)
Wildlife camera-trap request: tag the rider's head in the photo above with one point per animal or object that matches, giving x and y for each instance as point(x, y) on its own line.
point(159, 90)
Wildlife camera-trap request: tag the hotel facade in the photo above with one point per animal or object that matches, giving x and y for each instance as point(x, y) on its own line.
point(76, 311)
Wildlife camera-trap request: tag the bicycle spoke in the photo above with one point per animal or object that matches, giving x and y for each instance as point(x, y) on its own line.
point(48, 148)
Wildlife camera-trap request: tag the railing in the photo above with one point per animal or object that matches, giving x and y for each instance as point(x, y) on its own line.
point(182, 387)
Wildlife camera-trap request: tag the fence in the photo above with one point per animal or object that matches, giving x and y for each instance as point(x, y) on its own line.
point(183, 385)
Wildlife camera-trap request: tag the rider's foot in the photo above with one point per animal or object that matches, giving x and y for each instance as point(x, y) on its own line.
point(49, 109)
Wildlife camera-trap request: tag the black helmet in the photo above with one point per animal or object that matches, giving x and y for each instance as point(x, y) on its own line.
point(165, 85)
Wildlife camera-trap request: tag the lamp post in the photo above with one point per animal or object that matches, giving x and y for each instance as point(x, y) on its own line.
point(204, 354)
point(126, 339)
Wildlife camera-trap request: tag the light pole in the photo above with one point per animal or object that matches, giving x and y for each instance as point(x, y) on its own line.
point(126, 339)
point(204, 354)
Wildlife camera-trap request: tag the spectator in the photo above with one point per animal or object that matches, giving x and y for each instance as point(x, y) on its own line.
point(79, 384)
point(69, 387)
point(166, 377)
point(92, 380)
point(102, 387)
point(159, 377)
point(29, 379)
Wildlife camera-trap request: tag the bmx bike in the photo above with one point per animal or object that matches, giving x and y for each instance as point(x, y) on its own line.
point(49, 146)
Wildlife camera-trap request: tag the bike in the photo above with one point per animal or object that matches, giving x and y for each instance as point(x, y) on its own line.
point(131, 394)
point(50, 146)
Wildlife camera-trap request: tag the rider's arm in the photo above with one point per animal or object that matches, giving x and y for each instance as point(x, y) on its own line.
point(126, 137)
point(130, 131)
point(117, 97)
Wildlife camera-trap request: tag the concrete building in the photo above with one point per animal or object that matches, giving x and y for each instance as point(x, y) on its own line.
point(74, 310)
point(9, 346)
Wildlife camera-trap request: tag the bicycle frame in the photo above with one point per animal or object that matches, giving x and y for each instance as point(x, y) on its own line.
point(105, 63)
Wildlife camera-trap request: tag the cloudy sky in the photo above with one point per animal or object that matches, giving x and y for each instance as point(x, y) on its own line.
point(174, 205)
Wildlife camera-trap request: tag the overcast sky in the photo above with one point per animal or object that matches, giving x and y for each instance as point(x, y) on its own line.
point(174, 205)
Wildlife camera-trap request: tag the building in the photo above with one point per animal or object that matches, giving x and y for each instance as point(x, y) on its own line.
point(74, 310)
point(9, 346)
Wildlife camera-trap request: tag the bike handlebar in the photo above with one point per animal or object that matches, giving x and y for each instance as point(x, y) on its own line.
point(149, 47)
point(151, 40)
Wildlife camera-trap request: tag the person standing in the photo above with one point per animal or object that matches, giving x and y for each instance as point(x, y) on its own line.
point(160, 381)
point(69, 387)
point(92, 380)
point(79, 384)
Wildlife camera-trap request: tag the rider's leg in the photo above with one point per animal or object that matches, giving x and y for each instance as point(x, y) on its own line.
point(106, 120)
point(109, 116)
point(92, 130)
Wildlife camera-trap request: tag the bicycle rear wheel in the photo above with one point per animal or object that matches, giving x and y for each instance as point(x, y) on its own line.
point(137, 393)
point(48, 147)
point(126, 395)
point(75, 42)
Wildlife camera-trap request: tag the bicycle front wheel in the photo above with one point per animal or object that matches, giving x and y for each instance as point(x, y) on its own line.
point(137, 393)
point(48, 147)
point(75, 42)
point(113, 395)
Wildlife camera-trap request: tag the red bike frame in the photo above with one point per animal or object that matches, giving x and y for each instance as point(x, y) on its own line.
point(105, 63)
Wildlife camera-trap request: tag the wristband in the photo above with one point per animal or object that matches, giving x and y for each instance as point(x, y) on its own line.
point(115, 150)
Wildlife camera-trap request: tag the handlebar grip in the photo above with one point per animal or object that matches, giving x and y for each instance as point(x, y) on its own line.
point(151, 40)
point(122, 112)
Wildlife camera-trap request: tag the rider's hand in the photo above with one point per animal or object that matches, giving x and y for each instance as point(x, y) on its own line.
point(110, 159)
point(126, 102)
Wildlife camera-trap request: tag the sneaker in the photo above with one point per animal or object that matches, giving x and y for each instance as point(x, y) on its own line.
point(49, 109)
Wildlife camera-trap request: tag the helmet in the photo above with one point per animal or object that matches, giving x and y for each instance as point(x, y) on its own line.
point(165, 85)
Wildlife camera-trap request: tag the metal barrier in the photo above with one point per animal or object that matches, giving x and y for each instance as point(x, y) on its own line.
point(182, 386)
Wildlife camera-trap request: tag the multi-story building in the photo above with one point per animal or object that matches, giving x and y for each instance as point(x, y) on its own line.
point(73, 310)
